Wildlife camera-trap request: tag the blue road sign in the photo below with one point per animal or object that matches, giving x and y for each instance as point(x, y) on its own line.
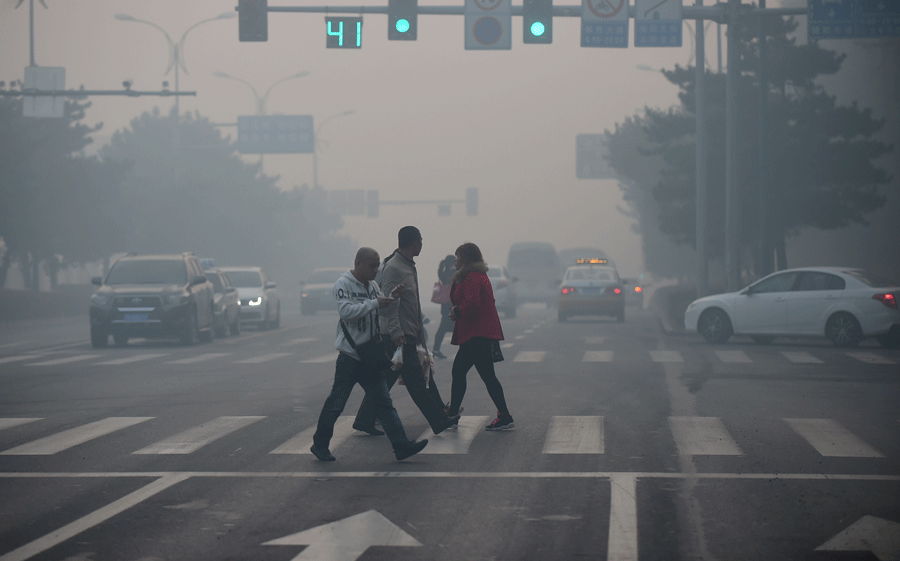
point(275, 134)
point(853, 19)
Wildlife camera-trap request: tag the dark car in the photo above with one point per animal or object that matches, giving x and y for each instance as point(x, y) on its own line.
point(317, 291)
point(152, 296)
point(592, 287)
point(226, 305)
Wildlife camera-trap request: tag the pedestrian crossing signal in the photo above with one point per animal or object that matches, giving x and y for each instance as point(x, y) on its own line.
point(537, 21)
point(402, 20)
point(253, 20)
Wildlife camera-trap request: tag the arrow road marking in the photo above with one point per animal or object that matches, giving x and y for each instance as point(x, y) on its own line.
point(347, 539)
point(881, 537)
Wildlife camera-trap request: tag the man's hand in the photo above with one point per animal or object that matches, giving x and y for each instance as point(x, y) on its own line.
point(384, 301)
point(397, 291)
point(400, 340)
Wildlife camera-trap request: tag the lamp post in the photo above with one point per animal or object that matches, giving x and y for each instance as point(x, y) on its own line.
point(316, 145)
point(176, 50)
point(260, 100)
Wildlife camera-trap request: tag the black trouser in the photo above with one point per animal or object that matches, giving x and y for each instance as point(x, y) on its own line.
point(347, 373)
point(475, 352)
point(427, 399)
point(446, 326)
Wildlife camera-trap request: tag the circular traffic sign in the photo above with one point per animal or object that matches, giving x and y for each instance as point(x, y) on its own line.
point(488, 30)
point(605, 8)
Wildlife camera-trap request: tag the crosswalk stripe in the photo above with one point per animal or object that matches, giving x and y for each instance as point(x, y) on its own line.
point(322, 359)
point(262, 358)
point(831, 439)
point(301, 443)
point(666, 356)
point(198, 358)
point(507, 345)
point(9, 422)
point(597, 356)
point(530, 356)
point(17, 358)
point(65, 360)
point(575, 435)
point(800, 357)
point(455, 441)
point(871, 358)
point(702, 436)
point(594, 340)
point(733, 356)
point(300, 341)
point(127, 360)
point(73, 437)
point(195, 438)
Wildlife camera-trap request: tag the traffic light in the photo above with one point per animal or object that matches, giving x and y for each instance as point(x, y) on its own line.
point(253, 20)
point(372, 204)
point(472, 201)
point(537, 21)
point(402, 23)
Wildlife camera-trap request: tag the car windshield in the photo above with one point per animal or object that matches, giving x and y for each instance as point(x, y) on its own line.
point(873, 280)
point(245, 279)
point(590, 274)
point(324, 277)
point(532, 258)
point(148, 271)
point(216, 281)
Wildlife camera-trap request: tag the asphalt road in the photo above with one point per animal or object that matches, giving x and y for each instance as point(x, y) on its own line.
point(630, 443)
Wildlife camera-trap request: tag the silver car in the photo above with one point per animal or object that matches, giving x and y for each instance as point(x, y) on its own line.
point(317, 292)
point(504, 287)
point(260, 304)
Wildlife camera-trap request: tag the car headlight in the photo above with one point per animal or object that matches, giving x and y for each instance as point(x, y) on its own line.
point(101, 299)
point(176, 298)
point(256, 302)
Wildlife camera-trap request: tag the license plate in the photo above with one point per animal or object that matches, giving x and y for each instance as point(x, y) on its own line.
point(136, 317)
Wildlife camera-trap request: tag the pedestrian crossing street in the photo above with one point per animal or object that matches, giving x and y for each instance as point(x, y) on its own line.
point(722, 356)
point(693, 436)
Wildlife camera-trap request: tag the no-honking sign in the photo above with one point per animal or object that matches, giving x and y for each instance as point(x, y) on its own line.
point(488, 24)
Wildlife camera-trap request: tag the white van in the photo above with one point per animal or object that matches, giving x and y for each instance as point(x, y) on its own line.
point(536, 265)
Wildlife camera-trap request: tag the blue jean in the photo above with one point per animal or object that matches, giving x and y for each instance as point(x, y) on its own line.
point(347, 373)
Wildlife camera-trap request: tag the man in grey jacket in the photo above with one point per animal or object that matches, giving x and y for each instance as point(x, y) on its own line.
point(358, 300)
point(402, 320)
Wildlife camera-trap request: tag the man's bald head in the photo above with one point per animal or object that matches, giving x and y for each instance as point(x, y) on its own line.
point(365, 266)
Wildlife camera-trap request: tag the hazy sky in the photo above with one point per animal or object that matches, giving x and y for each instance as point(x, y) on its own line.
point(431, 119)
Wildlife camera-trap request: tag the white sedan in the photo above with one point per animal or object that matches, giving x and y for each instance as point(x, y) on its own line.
point(843, 304)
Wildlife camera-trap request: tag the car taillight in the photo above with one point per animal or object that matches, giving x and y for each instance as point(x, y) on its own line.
point(886, 299)
point(614, 290)
point(638, 289)
point(567, 290)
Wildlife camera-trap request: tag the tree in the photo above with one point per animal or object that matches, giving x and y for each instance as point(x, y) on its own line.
point(823, 173)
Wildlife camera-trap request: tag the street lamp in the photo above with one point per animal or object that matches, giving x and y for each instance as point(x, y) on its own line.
point(176, 50)
point(260, 101)
point(316, 146)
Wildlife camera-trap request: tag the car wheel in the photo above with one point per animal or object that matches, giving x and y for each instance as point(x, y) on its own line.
point(191, 331)
point(620, 317)
point(891, 339)
point(120, 340)
point(221, 330)
point(762, 339)
point(715, 326)
point(235, 327)
point(277, 322)
point(99, 338)
point(843, 330)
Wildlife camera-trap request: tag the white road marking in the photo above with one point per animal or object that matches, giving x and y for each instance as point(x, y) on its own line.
point(195, 438)
point(733, 356)
point(594, 340)
point(519, 337)
point(68, 531)
point(455, 441)
point(262, 358)
point(530, 356)
point(597, 356)
point(301, 443)
point(528, 330)
point(198, 358)
point(800, 357)
point(73, 437)
point(300, 341)
point(871, 358)
point(135, 358)
point(702, 436)
point(9, 422)
point(68, 359)
point(322, 359)
point(831, 439)
point(623, 521)
point(666, 356)
point(16, 344)
point(507, 345)
point(575, 435)
point(18, 358)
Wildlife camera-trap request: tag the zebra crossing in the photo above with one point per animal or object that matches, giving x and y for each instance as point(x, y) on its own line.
point(577, 435)
point(519, 356)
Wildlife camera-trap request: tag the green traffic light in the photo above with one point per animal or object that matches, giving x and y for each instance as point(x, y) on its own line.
point(537, 29)
point(402, 25)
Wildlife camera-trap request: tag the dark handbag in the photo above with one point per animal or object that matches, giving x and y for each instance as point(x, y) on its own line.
point(440, 294)
point(372, 353)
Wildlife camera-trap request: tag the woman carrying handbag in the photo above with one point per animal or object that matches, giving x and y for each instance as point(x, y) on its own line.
point(478, 333)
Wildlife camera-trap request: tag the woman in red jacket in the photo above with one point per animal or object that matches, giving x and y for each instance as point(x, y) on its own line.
point(477, 331)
